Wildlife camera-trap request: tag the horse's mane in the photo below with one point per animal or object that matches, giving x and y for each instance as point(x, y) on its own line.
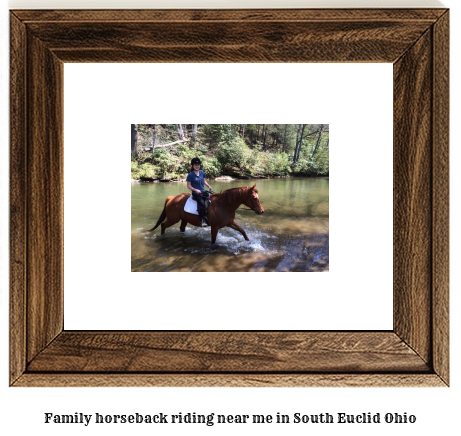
point(232, 195)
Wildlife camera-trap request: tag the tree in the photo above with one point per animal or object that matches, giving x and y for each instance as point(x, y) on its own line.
point(285, 138)
point(264, 136)
point(299, 140)
point(194, 133)
point(247, 149)
point(154, 136)
point(319, 137)
point(134, 137)
point(180, 131)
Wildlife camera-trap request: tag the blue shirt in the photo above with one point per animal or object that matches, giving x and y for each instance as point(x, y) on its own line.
point(197, 181)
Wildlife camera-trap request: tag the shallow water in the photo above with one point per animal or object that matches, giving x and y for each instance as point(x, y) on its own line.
point(292, 234)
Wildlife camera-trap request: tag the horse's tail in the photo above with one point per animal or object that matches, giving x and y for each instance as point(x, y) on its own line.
point(160, 220)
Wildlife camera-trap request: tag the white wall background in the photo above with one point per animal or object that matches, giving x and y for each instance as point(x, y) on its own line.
point(356, 294)
point(437, 410)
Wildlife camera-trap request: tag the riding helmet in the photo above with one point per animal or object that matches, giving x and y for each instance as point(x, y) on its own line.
point(195, 160)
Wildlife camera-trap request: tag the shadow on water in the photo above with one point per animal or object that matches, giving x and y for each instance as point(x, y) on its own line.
point(293, 234)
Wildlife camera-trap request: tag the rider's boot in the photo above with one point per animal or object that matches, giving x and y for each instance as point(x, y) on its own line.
point(206, 212)
point(203, 222)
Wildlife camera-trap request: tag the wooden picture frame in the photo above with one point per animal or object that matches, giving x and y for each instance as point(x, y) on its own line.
point(414, 353)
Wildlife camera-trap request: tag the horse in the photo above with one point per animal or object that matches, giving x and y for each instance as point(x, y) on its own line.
point(221, 210)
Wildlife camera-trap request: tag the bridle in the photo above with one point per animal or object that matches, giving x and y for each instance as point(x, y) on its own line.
point(252, 203)
point(252, 199)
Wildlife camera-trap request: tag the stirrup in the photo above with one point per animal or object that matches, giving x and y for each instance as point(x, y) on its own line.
point(203, 222)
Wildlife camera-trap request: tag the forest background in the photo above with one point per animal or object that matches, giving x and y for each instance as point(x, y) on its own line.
point(164, 151)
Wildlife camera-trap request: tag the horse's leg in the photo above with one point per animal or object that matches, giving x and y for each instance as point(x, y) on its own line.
point(168, 223)
point(183, 226)
point(235, 226)
point(214, 233)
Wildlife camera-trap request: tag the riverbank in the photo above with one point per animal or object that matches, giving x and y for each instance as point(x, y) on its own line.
point(253, 164)
point(182, 179)
point(221, 178)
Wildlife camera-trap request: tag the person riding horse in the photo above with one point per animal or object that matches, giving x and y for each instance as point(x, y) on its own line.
point(196, 181)
point(222, 210)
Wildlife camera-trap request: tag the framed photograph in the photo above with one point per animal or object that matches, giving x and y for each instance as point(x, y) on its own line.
point(414, 353)
point(283, 168)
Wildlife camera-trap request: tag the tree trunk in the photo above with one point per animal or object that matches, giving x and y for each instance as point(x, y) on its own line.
point(180, 131)
point(134, 137)
point(172, 143)
point(319, 137)
point(154, 136)
point(194, 133)
point(285, 138)
point(300, 141)
point(243, 131)
point(298, 136)
point(264, 137)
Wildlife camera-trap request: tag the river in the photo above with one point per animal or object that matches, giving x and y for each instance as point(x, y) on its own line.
point(292, 234)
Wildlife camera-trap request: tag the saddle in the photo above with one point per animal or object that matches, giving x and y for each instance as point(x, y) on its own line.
point(192, 207)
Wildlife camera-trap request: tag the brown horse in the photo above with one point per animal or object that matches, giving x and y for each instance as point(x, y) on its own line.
point(221, 210)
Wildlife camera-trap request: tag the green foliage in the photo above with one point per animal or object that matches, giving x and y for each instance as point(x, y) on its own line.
point(303, 166)
point(143, 170)
point(253, 163)
point(310, 167)
point(276, 164)
point(165, 161)
point(234, 153)
point(211, 166)
point(201, 148)
point(185, 154)
point(253, 149)
point(214, 134)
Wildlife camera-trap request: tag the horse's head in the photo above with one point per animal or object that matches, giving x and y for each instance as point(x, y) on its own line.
point(253, 200)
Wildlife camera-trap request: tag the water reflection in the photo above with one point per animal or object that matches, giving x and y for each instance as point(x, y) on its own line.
point(292, 235)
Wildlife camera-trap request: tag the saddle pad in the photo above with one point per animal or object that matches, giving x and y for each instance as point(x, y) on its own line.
point(191, 206)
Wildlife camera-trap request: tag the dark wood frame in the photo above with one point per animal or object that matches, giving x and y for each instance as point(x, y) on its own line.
point(414, 353)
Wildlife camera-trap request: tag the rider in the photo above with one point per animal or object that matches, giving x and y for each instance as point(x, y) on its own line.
point(196, 180)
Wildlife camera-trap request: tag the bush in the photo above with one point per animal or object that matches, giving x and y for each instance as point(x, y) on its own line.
point(143, 170)
point(211, 166)
point(215, 134)
point(234, 153)
point(276, 164)
point(253, 163)
point(166, 162)
point(184, 152)
point(311, 167)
